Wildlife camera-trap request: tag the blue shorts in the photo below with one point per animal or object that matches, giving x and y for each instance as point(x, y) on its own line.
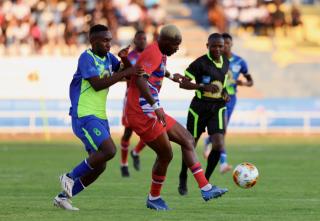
point(230, 106)
point(92, 131)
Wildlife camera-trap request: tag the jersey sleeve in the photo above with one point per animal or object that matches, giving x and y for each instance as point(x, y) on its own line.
point(132, 58)
point(150, 60)
point(193, 70)
point(114, 62)
point(87, 66)
point(244, 67)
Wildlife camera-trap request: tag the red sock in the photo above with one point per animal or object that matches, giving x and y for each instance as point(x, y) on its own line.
point(139, 146)
point(124, 152)
point(199, 175)
point(156, 184)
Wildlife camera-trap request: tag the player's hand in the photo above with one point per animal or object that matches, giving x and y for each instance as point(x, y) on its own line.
point(161, 116)
point(177, 77)
point(184, 81)
point(123, 53)
point(225, 96)
point(239, 82)
point(211, 88)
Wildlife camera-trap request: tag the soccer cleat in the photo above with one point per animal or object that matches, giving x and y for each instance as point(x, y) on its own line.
point(125, 171)
point(207, 147)
point(66, 184)
point(158, 204)
point(136, 161)
point(214, 192)
point(182, 188)
point(64, 203)
point(225, 167)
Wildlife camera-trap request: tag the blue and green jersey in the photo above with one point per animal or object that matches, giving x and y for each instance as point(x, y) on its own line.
point(85, 100)
point(237, 66)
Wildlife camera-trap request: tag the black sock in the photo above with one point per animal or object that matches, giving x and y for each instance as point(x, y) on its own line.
point(183, 172)
point(213, 160)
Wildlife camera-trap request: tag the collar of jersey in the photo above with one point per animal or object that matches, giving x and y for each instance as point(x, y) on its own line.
point(218, 65)
point(97, 56)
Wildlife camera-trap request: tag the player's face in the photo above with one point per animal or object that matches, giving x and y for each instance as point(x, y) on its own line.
point(227, 45)
point(140, 41)
point(171, 47)
point(216, 47)
point(101, 42)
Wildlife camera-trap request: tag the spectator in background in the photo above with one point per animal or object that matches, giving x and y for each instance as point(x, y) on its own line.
point(109, 12)
point(156, 17)
point(216, 15)
point(57, 26)
point(35, 33)
point(278, 19)
point(296, 20)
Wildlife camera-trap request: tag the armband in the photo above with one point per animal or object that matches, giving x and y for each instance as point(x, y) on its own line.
point(171, 76)
point(155, 106)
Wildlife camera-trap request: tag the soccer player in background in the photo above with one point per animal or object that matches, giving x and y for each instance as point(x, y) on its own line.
point(237, 67)
point(140, 42)
point(147, 118)
point(207, 108)
point(97, 70)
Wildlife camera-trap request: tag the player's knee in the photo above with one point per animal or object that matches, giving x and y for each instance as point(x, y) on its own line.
point(109, 153)
point(165, 157)
point(217, 145)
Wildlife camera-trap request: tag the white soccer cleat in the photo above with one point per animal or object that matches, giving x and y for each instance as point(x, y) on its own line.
point(225, 167)
point(64, 203)
point(66, 184)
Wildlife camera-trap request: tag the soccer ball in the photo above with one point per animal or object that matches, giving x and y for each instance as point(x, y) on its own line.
point(245, 175)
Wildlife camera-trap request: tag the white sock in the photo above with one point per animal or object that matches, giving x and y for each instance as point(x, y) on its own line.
point(207, 187)
point(134, 153)
point(153, 197)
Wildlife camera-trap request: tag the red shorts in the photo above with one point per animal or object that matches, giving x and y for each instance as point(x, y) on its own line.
point(148, 127)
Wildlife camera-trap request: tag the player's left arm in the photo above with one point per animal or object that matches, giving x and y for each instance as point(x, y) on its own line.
point(224, 93)
point(244, 71)
point(174, 77)
point(123, 55)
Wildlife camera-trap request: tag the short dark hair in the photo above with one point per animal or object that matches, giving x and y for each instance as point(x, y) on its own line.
point(227, 36)
point(98, 28)
point(214, 36)
point(139, 32)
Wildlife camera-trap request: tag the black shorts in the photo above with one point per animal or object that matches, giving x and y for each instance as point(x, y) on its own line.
point(206, 114)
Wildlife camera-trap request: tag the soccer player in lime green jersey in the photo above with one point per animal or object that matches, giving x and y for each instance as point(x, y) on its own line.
point(97, 70)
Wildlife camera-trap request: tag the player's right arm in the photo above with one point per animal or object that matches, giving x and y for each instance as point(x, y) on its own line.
point(91, 73)
point(149, 61)
point(190, 74)
point(143, 87)
point(102, 83)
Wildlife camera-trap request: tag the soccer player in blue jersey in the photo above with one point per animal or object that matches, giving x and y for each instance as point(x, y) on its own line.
point(237, 67)
point(97, 70)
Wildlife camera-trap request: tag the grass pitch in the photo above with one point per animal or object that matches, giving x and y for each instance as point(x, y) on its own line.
point(287, 189)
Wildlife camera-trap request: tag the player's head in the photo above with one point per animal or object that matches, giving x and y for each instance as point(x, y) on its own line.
point(169, 39)
point(227, 42)
point(140, 40)
point(215, 45)
point(100, 39)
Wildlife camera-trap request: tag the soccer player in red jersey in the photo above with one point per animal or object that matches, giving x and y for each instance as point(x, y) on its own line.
point(146, 117)
point(140, 42)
